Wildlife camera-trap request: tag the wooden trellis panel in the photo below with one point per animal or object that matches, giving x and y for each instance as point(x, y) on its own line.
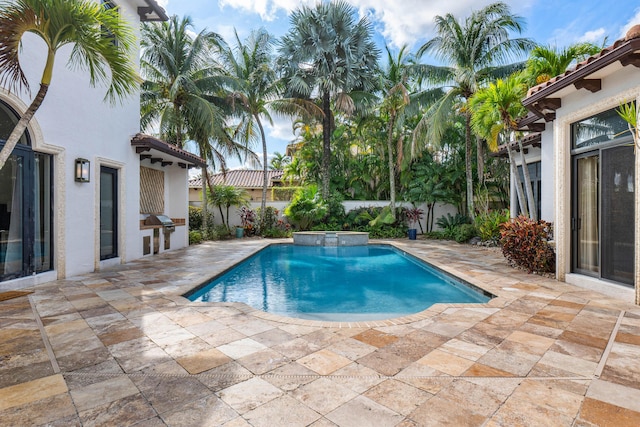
point(151, 191)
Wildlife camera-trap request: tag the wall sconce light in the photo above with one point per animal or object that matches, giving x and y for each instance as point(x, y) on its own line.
point(83, 167)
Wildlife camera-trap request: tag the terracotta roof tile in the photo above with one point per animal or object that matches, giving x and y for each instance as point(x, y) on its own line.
point(240, 178)
point(604, 57)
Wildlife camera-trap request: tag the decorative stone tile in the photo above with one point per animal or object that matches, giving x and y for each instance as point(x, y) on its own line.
point(323, 395)
point(291, 376)
point(250, 394)
point(297, 348)
point(504, 360)
point(127, 411)
point(351, 348)
point(224, 376)
point(324, 362)
point(31, 391)
point(385, 362)
point(41, 412)
point(203, 361)
point(252, 327)
point(363, 412)
point(567, 363)
point(464, 349)
point(208, 411)
point(283, 411)
point(167, 394)
point(615, 394)
point(445, 362)
point(263, 361)
point(273, 337)
point(241, 348)
point(398, 396)
point(599, 413)
point(103, 392)
point(376, 338)
point(222, 336)
point(356, 377)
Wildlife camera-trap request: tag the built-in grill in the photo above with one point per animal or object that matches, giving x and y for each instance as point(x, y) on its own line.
point(162, 220)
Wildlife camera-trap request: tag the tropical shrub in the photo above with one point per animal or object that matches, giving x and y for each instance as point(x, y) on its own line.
point(488, 224)
point(306, 208)
point(448, 222)
point(218, 232)
point(283, 193)
point(463, 232)
point(414, 215)
point(247, 220)
point(335, 210)
point(195, 237)
point(525, 243)
point(195, 218)
point(272, 226)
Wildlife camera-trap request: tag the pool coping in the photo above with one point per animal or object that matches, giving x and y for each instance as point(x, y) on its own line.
point(500, 294)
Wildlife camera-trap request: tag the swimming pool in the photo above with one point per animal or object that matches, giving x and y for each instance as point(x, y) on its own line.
point(372, 282)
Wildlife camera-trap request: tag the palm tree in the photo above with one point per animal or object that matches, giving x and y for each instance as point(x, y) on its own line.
point(59, 23)
point(227, 196)
point(255, 88)
point(279, 161)
point(474, 51)
point(397, 101)
point(546, 62)
point(183, 94)
point(495, 111)
point(329, 55)
point(395, 92)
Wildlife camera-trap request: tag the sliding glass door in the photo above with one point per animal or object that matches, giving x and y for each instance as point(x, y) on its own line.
point(603, 219)
point(108, 212)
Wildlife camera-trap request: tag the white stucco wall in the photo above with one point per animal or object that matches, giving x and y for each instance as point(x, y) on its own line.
point(75, 121)
point(439, 210)
point(619, 85)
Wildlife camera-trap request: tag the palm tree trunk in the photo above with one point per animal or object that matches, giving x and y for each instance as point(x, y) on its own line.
point(392, 182)
point(22, 124)
point(516, 176)
point(531, 201)
point(326, 144)
point(468, 166)
point(205, 180)
point(265, 179)
point(480, 159)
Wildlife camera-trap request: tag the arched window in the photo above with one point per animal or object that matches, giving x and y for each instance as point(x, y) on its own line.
point(8, 120)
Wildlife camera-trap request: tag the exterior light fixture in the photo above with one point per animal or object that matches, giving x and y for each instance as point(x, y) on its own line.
point(83, 167)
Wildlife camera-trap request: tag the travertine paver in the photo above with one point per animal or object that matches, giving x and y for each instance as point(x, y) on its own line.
point(128, 349)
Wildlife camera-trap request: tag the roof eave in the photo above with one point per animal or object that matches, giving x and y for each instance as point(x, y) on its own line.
point(153, 12)
point(625, 49)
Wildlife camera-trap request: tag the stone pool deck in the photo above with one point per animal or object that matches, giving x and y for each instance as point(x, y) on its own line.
point(122, 347)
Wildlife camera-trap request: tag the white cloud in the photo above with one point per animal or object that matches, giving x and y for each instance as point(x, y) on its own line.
point(400, 22)
point(267, 9)
point(281, 129)
point(408, 21)
point(594, 36)
point(635, 20)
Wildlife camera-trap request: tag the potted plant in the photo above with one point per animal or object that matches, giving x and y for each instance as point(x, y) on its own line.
point(414, 215)
point(247, 218)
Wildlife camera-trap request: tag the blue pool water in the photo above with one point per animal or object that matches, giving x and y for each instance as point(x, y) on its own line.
point(335, 283)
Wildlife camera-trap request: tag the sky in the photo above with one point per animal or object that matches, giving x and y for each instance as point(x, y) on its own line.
point(410, 22)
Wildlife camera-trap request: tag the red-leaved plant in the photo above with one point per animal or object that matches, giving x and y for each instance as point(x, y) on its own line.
point(525, 243)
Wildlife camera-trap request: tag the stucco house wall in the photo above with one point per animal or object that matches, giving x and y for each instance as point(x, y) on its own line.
point(73, 122)
point(614, 79)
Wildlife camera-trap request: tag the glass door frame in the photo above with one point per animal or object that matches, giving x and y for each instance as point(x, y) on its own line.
point(114, 212)
point(576, 156)
point(27, 214)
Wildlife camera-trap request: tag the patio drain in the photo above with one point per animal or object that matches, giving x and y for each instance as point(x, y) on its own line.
point(293, 377)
